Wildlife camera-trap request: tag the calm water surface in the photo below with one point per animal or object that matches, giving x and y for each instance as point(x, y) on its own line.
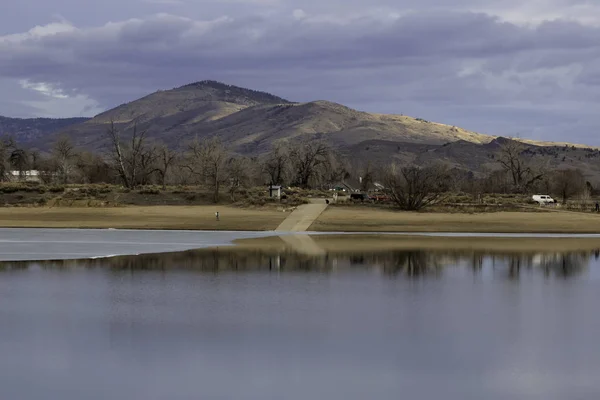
point(224, 325)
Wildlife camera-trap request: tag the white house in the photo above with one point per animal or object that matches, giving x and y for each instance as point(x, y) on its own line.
point(24, 176)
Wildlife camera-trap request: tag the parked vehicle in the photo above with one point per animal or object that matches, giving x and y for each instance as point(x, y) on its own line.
point(359, 197)
point(543, 199)
point(380, 197)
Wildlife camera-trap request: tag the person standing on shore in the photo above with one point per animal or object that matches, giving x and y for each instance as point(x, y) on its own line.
point(597, 207)
point(217, 215)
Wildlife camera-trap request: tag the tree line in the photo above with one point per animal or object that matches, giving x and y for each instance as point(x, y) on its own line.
point(132, 159)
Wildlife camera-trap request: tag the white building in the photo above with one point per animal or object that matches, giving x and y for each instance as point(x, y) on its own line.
point(275, 192)
point(24, 176)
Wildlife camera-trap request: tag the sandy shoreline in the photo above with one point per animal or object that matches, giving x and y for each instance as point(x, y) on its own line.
point(361, 243)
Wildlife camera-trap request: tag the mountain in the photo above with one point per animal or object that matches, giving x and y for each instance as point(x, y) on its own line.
point(250, 122)
point(34, 129)
point(200, 101)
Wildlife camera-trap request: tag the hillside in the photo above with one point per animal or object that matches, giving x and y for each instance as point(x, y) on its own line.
point(33, 129)
point(478, 158)
point(250, 121)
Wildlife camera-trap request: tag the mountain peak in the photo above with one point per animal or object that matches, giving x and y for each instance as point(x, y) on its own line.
point(194, 99)
point(219, 91)
point(208, 83)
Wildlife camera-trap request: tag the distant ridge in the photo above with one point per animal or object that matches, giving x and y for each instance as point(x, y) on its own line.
point(31, 129)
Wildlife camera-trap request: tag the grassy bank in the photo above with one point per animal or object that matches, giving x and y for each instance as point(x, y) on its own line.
point(362, 219)
point(154, 217)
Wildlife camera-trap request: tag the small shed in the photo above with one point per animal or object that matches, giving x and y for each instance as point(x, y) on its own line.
point(275, 192)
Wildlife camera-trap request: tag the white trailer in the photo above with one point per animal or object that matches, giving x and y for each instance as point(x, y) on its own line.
point(543, 199)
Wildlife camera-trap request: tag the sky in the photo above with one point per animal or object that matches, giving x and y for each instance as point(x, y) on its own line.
point(504, 67)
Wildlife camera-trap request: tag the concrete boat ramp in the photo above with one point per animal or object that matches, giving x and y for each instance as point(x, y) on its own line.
point(303, 217)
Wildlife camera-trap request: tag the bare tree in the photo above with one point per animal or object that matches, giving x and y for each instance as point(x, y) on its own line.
point(238, 171)
point(255, 171)
point(19, 160)
point(337, 170)
point(64, 153)
point(207, 160)
point(92, 168)
point(366, 175)
point(133, 160)
point(118, 154)
point(497, 182)
point(35, 158)
point(5, 145)
point(166, 158)
point(413, 188)
point(310, 159)
point(568, 183)
point(513, 161)
point(276, 164)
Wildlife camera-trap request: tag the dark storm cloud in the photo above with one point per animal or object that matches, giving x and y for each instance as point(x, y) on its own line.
point(441, 64)
point(165, 44)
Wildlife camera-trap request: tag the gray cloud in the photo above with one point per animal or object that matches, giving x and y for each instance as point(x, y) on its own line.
point(474, 69)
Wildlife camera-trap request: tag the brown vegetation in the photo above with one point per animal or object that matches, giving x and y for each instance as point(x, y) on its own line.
point(523, 172)
point(413, 188)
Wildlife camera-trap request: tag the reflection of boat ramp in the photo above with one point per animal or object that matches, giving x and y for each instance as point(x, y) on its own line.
point(303, 244)
point(299, 221)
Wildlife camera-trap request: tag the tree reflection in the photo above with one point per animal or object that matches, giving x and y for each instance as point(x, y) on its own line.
point(514, 267)
point(558, 265)
point(409, 264)
point(412, 264)
point(565, 265)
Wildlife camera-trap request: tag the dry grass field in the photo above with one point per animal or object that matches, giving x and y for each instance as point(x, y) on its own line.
point(349, 219)
point(153, 217)
point(334, 219)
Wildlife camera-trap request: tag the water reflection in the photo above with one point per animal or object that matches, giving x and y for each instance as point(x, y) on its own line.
point(410, 264)
point(250, 324)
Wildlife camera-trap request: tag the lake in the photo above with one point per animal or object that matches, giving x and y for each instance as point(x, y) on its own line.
point(409, 324)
